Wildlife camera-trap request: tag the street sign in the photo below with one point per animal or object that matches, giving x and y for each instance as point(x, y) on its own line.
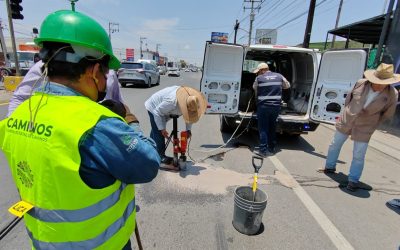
point(266, 36)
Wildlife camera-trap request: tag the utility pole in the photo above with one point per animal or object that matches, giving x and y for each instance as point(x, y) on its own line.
point(157, 46)
point(236, 27)
point(337, 21)
point(141, 44)
point(310, 19)
point(3, 44)
point(252, 14)
point(10, 23)
point(384, 7)
point(384, 31)
point(112, 29)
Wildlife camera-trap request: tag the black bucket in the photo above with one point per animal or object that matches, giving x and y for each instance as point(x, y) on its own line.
point(247, 215)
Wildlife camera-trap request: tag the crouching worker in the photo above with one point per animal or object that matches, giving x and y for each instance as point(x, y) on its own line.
point(369, 103)
point(72, 159)
point(175, 100)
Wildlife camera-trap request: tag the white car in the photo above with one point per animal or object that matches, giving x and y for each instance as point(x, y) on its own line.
point(173, 72)
point(138, 73)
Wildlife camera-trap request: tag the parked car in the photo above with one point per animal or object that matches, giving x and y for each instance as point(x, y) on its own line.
point(187, 70)
point(173, 72)
point(138, 73)
point(162, 70)
point(319, 83)
point(26, 60)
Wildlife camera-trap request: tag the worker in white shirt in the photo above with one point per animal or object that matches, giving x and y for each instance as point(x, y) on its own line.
point(175, 100)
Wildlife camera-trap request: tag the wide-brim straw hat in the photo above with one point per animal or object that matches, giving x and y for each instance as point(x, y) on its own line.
point(260, 67)
point(382, 75)
point(192, 103)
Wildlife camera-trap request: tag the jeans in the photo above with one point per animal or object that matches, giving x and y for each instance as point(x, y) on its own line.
point(156, 135)
point(266, 117)
point(359, 151)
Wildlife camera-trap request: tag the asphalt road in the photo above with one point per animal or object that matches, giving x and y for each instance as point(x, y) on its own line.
point(305, 210)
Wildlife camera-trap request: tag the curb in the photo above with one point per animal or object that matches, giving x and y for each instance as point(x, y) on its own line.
point(376, 144)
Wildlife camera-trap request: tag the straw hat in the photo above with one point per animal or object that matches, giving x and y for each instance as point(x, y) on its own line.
point(192, 103)
point(382, 75)
point(260, 67)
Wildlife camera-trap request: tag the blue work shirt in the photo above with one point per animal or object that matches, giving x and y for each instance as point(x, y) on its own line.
point(112, 149)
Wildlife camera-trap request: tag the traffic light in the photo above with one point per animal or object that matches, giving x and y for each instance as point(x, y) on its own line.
point(16, 9)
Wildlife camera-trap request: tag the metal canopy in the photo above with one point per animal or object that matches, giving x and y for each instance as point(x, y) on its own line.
point(367, 31)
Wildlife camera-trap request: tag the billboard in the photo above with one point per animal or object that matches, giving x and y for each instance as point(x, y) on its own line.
point(266, 36)
point(130, 54)
point(219, 37)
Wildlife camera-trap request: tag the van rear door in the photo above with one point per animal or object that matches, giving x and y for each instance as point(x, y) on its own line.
point(339, 71)
point(222, 73)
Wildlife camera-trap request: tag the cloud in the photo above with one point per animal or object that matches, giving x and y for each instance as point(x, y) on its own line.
point(159, 29)
point(186, 47)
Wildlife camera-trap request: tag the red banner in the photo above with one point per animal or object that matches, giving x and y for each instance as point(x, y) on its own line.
point(130, 54)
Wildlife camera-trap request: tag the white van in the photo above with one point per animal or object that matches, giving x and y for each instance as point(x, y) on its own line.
point(319, 83)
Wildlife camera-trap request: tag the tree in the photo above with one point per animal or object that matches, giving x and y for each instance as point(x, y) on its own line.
point(183, 63)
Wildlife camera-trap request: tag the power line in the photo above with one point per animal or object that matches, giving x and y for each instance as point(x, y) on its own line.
point(270, 10)
point(298, 16)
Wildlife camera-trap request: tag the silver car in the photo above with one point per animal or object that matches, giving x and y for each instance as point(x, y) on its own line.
point(138, 74)
point(173, 72)
point(162, 70)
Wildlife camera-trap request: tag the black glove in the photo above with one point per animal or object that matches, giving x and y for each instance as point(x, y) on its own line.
point(115, 106)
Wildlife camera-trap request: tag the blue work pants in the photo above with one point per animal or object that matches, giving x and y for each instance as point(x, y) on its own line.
point(266, 117)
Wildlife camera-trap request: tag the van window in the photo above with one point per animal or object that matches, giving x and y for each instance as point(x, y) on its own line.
point(131, 65)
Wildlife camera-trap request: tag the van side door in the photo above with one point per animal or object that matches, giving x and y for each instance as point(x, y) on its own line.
point(221, 77)
point(339, 71)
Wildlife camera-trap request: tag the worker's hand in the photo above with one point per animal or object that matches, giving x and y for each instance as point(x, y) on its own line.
point(129, 117)
point(164, 133)
point(189, 134)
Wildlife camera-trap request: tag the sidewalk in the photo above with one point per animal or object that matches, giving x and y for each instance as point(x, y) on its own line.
point(382, 141)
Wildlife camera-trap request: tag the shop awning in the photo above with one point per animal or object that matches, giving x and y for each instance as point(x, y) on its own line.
point(366, 31)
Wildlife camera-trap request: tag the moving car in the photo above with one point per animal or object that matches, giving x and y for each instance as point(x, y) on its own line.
point(319, 83)
point(162, 70)
point(138, 73)
point(173, 72)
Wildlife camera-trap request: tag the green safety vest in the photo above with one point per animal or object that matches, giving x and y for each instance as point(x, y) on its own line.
point(45, 163)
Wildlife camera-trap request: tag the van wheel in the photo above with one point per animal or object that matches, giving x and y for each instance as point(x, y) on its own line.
point(158, 81)
point(225, 127)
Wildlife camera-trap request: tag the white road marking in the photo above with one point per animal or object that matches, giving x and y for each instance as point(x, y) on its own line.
point(329, 228)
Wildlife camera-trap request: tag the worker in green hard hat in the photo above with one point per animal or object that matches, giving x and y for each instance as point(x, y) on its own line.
point(74, 161)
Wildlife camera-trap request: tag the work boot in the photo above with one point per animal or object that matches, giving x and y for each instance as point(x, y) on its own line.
point(166, 160)
point(258, 152)
point(352, 186)
point(327, 170)
point(272, 150)
point(394, 203)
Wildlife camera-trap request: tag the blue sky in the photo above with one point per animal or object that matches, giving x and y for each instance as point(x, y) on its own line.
point(183, 26)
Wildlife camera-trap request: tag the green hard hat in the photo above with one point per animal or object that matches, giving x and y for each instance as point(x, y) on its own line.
point(66, 26)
